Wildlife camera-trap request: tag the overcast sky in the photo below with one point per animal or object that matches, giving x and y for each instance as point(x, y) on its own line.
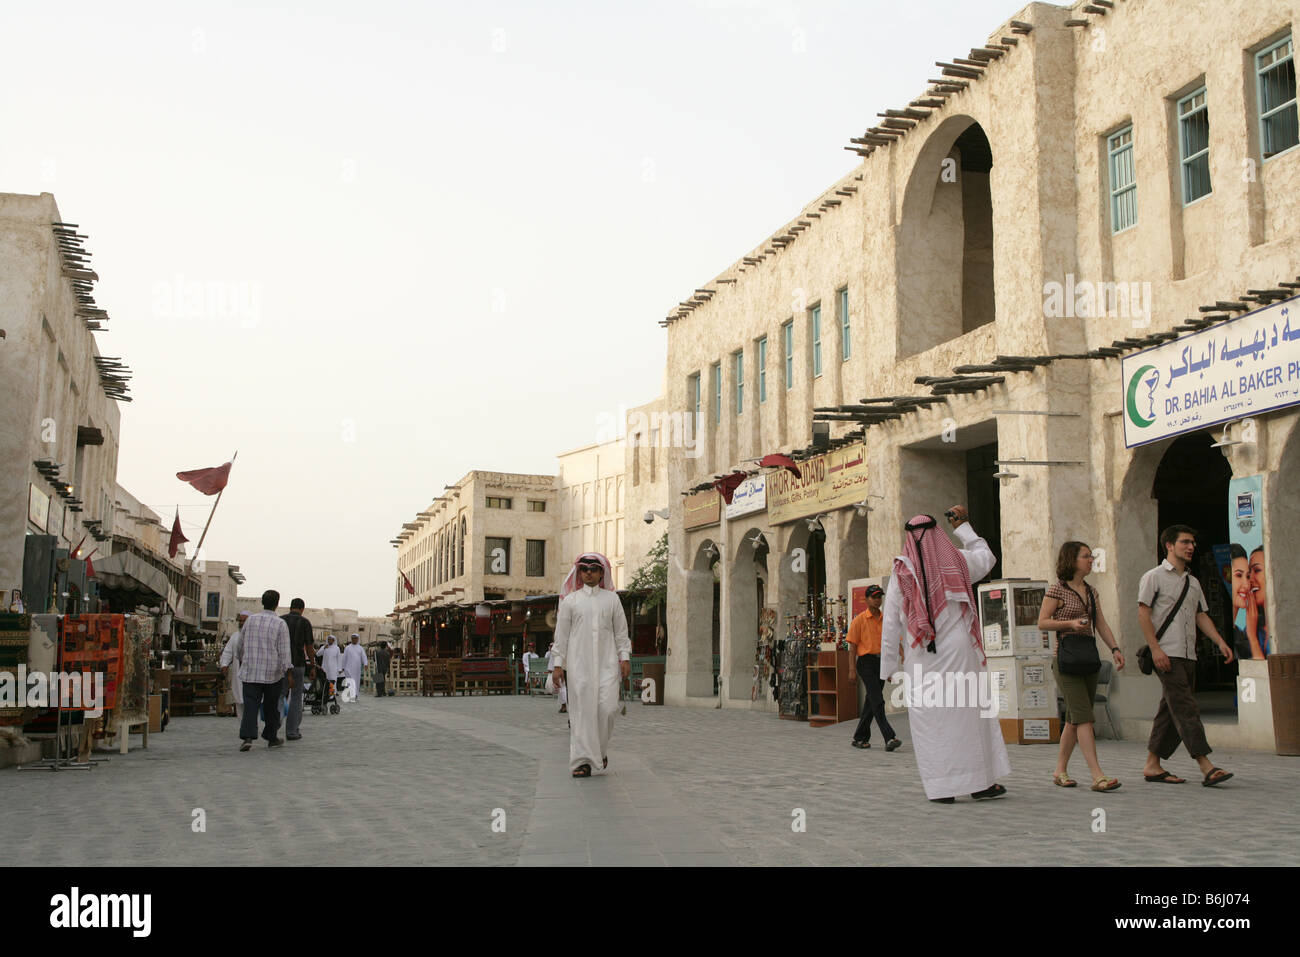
point(373, 246)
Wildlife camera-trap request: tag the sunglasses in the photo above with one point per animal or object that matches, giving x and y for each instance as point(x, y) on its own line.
point(591, 568)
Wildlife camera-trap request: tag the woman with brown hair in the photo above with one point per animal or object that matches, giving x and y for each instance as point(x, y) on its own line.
point(1070, 608)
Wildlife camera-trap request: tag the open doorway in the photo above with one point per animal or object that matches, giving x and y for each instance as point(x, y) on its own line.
point(984, 501)
point(1191, 488)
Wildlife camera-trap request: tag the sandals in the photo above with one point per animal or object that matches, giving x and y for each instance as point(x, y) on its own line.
point(862, 744)
point(1164, 777)
point(605, 763)
point(893, 745)
point(1105, 784)
point(943, 800)
point(993, 791)
point(1063, 780)
point(1211, 780)
point(582, 771)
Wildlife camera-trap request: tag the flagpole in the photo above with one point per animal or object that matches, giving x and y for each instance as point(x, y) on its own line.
point(190, 565)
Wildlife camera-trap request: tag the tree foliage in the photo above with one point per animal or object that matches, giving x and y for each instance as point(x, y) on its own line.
point(652, 577)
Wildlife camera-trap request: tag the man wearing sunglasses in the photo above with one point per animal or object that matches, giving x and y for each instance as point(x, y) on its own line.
point(593, 655)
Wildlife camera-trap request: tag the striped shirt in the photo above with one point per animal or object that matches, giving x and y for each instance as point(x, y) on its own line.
point(266, 649)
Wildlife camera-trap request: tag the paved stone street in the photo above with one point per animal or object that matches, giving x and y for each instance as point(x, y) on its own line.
point(417, 781)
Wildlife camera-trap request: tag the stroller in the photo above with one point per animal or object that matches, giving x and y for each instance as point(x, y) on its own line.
point(321, 695)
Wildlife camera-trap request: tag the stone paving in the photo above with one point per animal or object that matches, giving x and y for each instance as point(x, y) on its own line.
point(422, 780)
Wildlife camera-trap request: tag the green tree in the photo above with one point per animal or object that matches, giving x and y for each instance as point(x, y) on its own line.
point(652, 577)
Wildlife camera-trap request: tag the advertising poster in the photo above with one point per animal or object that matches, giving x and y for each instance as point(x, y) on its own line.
point(1250, 631)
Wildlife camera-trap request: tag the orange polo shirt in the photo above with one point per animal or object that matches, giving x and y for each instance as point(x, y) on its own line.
point(865, 632)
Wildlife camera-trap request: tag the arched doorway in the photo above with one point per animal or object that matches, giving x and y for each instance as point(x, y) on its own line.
point(1191, 488)
point(747, 584)
point(947, 223)
point(702, 621)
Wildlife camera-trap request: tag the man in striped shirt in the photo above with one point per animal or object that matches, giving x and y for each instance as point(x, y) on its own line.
point(266, 667)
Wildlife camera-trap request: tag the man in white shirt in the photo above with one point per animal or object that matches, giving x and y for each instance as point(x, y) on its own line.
point(593, 654)
point(233, 653)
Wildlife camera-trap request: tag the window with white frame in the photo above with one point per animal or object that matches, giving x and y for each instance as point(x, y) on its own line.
point(693, 397)
point(817, 340)
point(1275, 68)
point(1123, 180)
point(787, 331)
point(739, 359)
point(845, 344)
point(717, 392)
point(762, 370)
point(1194, 145)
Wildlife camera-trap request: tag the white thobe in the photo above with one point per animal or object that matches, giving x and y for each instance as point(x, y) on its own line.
point(331, 660)
point(562, 690)
point(957, 750)
point(590, 641)
point(233, 653)
point(354, 659)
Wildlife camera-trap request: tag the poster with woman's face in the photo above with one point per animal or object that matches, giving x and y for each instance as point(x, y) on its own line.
point(1247, 584)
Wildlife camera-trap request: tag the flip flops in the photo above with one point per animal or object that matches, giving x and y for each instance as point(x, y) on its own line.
point(1105, 784)
point(1210, 779)
point(582, 771)
point(1164, 777)
point(1063, 780)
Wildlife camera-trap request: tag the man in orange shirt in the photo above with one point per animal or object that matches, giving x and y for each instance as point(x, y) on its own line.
point(864, 633)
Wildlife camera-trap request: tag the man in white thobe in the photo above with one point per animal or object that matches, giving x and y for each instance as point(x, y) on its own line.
point(593, 655)
point(931, 605)
point(233, 653)
point(354, 659)
point(331, 660)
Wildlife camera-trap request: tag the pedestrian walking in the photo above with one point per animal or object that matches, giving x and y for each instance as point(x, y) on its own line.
point(266, 666)
point(1171, 595)
point(301, 651)
point(383, 658)
point(233, 654)
point(1070, 609)
point(864, 634)
point(354, 659)
point(931, 602)
point(593, 655)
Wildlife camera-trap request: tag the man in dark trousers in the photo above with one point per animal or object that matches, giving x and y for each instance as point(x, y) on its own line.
point(864, 634)
point(303, 653)
point(382, 659)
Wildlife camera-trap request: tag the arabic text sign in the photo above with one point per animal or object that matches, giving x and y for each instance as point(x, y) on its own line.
point(826, 482)
point(1234, 369)
point(750, 496)
point(702, 509)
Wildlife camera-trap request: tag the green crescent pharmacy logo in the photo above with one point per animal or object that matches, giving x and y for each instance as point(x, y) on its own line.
point(1131, 402)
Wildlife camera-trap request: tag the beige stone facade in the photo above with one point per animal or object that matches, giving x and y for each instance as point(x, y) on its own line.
point(492, 535)
point(939, 250)
point(219, 599)
point(652, 432)
point(590, 487)
point(55, 407)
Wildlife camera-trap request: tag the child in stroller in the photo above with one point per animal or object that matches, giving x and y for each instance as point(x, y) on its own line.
point(321, 694)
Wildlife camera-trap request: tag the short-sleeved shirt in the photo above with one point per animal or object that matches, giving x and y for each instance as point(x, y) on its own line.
point(300, 636)
point(1072, 605)
point(864, 631)
point(1158, 590)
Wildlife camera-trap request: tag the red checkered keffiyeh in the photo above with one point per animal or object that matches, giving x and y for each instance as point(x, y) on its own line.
point(930, 557)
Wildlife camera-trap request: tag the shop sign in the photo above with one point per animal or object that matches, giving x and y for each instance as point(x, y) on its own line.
point(55, 526)
point(750, 496)
point(702, 509)
point(1232, 370)
point(830, 481)
point(38, 507)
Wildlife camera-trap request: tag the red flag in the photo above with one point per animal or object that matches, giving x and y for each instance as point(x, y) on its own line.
point(728, 483)
point(410, 589)
point(177, 536)
point(778, 461)
point(208, 481)
point(90, 569)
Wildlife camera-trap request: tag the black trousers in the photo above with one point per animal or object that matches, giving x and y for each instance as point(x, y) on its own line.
point(869, 672)
point(266, 698)
point(379, 687)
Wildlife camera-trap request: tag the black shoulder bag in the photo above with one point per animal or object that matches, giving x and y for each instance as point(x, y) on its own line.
point(1145, 664)
point(1077, 654)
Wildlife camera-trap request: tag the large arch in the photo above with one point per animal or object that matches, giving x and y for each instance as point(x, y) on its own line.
point(745, 581)
point(701, 635)
point(945, 238)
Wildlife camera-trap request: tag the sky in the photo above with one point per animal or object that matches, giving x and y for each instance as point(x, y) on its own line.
point(372, 247)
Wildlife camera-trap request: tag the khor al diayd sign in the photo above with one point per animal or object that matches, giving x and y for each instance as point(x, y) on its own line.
point(1229, 371)
point(825, 482)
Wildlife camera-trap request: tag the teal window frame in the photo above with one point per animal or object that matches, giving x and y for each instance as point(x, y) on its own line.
point(1191, 113)
point(740, 381)
point(788, 333)
point(762, 370)
point(1276, 58)
point(1123, 179)
point(817, 340)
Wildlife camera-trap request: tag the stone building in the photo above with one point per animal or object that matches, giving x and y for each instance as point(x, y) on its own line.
point(61, 424)
point(140, 566)
point(590, 484)
point(219, 599)
point(490, 537)
point(1087, 182)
